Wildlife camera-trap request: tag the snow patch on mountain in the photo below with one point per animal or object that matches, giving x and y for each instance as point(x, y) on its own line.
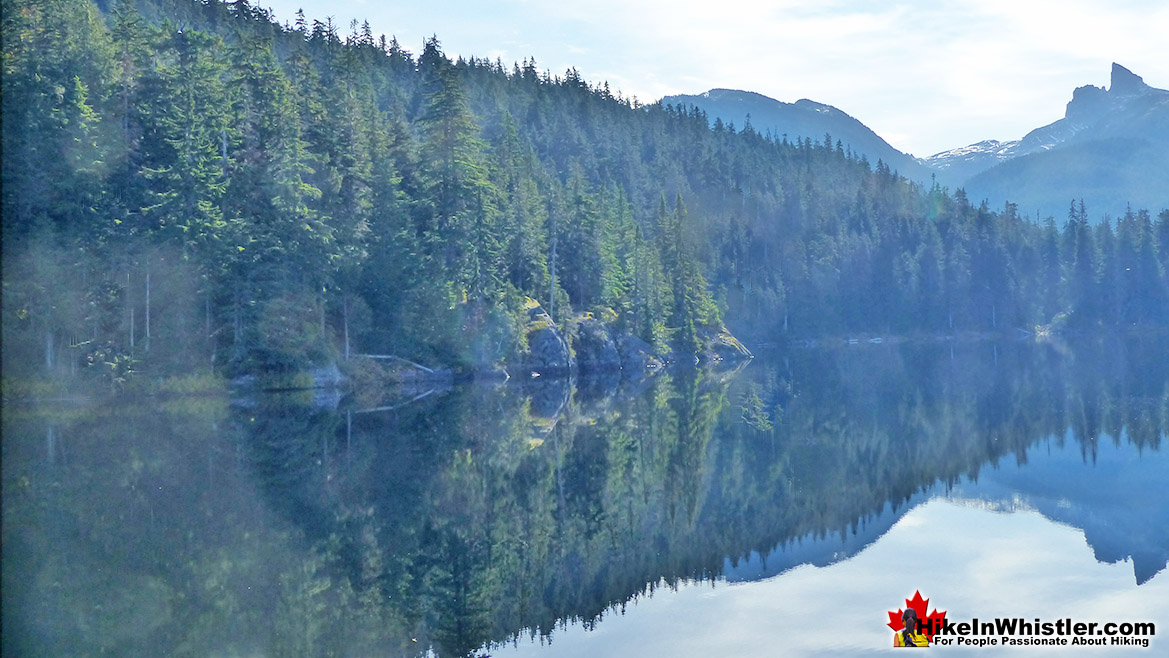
point(986, 149)
point(1093, 112)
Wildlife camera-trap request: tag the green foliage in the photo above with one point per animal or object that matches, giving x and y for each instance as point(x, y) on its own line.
point(197, 186)
point(14, 388)
point(287, 381)
point(288, 334)
point(754, 414)
point(196, 383)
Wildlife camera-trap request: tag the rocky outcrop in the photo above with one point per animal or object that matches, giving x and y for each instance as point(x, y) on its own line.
point(327, 377)
point(324, 377)
point(637, 355)
point(595, 348)
point(548, 352)
point(722, 346)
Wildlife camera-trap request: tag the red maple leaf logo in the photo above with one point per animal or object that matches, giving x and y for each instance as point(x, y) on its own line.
point(919, 606)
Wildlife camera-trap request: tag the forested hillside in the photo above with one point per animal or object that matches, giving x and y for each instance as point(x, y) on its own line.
point(805, 119)
point(192, 184)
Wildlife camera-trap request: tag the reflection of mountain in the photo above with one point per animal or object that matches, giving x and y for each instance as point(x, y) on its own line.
point(819, 550)
point(1117, 496)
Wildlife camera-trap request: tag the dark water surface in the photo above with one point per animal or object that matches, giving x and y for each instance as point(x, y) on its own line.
point(782, 509)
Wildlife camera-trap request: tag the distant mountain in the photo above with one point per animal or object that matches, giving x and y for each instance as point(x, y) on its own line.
point(1108, 174)
point(801, 119)
point(1111, 148)
point(967, 161)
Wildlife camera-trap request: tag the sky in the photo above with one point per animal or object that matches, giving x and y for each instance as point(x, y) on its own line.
point(926, 75)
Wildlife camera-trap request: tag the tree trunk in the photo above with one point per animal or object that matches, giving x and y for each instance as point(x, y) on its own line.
point(131, 309)
point(552, 279)
point(49, 357)
point(236, 328)
point(207, 325)
point(148, 310)
point(223, 149)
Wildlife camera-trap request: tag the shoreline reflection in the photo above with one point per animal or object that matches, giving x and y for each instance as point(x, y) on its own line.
point(483, 515)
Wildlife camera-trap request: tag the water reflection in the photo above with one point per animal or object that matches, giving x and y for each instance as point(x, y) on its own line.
point(459, 519)
point(1020, 564)
point(1119, 502)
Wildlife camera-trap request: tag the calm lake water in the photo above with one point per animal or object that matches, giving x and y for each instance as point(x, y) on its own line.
point(781, 509)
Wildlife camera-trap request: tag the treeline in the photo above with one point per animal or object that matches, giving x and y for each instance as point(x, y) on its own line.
point(192, 183)
point(261, 198)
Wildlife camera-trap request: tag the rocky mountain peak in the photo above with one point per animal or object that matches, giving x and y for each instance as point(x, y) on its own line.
point(1090, 103)
point(1125, 81)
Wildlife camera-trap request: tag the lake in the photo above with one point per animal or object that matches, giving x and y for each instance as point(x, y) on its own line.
point(783, 508)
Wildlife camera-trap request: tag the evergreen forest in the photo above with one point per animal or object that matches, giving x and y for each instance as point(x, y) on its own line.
point(193, 186)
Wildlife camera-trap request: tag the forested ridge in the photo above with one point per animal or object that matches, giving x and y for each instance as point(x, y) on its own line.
point(192, 184)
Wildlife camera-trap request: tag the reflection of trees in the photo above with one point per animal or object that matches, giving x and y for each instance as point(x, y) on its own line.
point(876, 426)
point(470, 518)
point(121, 537)
point(461, 519)
point(526, 521)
